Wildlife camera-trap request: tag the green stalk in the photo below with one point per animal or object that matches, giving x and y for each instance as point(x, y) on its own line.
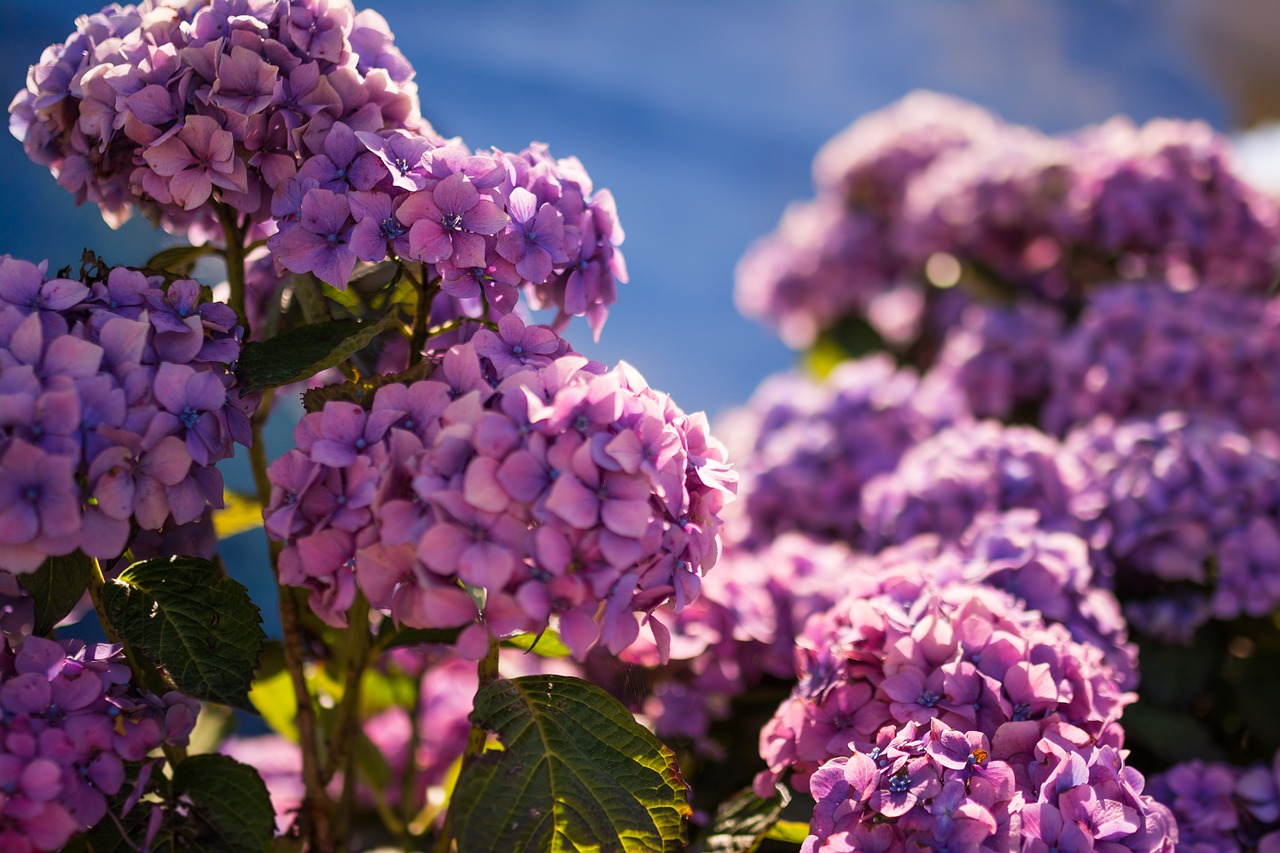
point(347, 723)
point(234, 253)
point(487, 670)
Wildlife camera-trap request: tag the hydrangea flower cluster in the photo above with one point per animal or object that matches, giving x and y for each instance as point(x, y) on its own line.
point(1052, 216)
point(1220, 808)
point(812, 446)
point(835, 257)
point(1194, 509)
point(518, 468)
point(943, 483)
point(72, 734)
point(907, 646)
point(936, 192)
point(484, 224)
point(740, 631)
point(944, 788)
point(116, 403)
point(1142, 349)
point(160, 106)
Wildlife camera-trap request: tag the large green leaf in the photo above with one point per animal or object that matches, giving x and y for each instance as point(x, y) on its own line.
point(185, 615)
point(305, 351)
point(57, 587)
point(743, 821)
point(576, 772)
point(229, 811)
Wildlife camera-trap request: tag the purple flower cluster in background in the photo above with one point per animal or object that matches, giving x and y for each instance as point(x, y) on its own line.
point(835, 257)
point(907, 646)
point(809, 447)
point(518, 467)
point(74, 734)
point(943, 483)
point(931, 193)
point(1143, 349)
point(1222, 809)
point(161, 106)
point(945, 788)
point(1194, 510)
point(116, 403)
point(483, 224)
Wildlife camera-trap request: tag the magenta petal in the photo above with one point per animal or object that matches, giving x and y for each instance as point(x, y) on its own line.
point(480, 486)
point(573, 502)
point(485, 218)
point(626, 518)
point(429, 242)
point(455, 194)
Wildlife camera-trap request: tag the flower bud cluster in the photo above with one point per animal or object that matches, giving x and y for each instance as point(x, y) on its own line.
point(519, 471)
point(483, 224)
point(1194, 510)
point(947, 788)
point(72, 736)
point(906, 646)
point(160, 106)
point(116, 403)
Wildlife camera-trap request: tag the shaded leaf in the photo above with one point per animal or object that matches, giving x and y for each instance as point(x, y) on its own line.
point(303, 352)
point(576, 773)
point(229, 811)
point(360, 391)
point(185, 615)
point(744, 820)
point(419, 636)
point(57, 587)
point(272, 693)
point(1172, 735)
point(180, 260)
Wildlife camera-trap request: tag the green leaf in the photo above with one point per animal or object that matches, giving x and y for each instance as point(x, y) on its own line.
point(57, 587)
point(419, 636)
point(305, 351)
point(744, 820)
point(546, 644)
point(180, 260)
point(275, 700)
point(790, 831)
point(185, 615)
point(230, 811)
point(576, 772)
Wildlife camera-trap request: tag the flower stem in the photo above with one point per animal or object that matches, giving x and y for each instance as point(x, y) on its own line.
point(347, 723)
point(476, 739)
point(234, 252)
point(421, 316)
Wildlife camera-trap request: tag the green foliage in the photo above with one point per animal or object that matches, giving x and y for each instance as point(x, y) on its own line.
point(303, 352)
point(545, 644)
point(576, 772)
point(227, 809)
point(790, 831)
point(743, 821)
point(57, 587)
point(179, 260)
point(185, 615)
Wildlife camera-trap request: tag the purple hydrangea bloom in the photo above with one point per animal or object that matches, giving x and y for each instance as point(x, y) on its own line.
point(911, 643)
point(1142, 349)
point(157, 107)
point(944, 788)
point(75, 734)
point(567, 492)
point(1182, 493)
point(809, 448)
point(942, 484)
point(482, 223)
point(116, 403)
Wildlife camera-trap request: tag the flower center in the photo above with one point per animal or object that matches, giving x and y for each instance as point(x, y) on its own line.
point(900, 783)
point(928, 699)
point(189, 417)
point(452, 222)
point(1021, 712)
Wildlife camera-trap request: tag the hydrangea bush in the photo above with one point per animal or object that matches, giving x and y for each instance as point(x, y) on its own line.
point(1003, 574)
